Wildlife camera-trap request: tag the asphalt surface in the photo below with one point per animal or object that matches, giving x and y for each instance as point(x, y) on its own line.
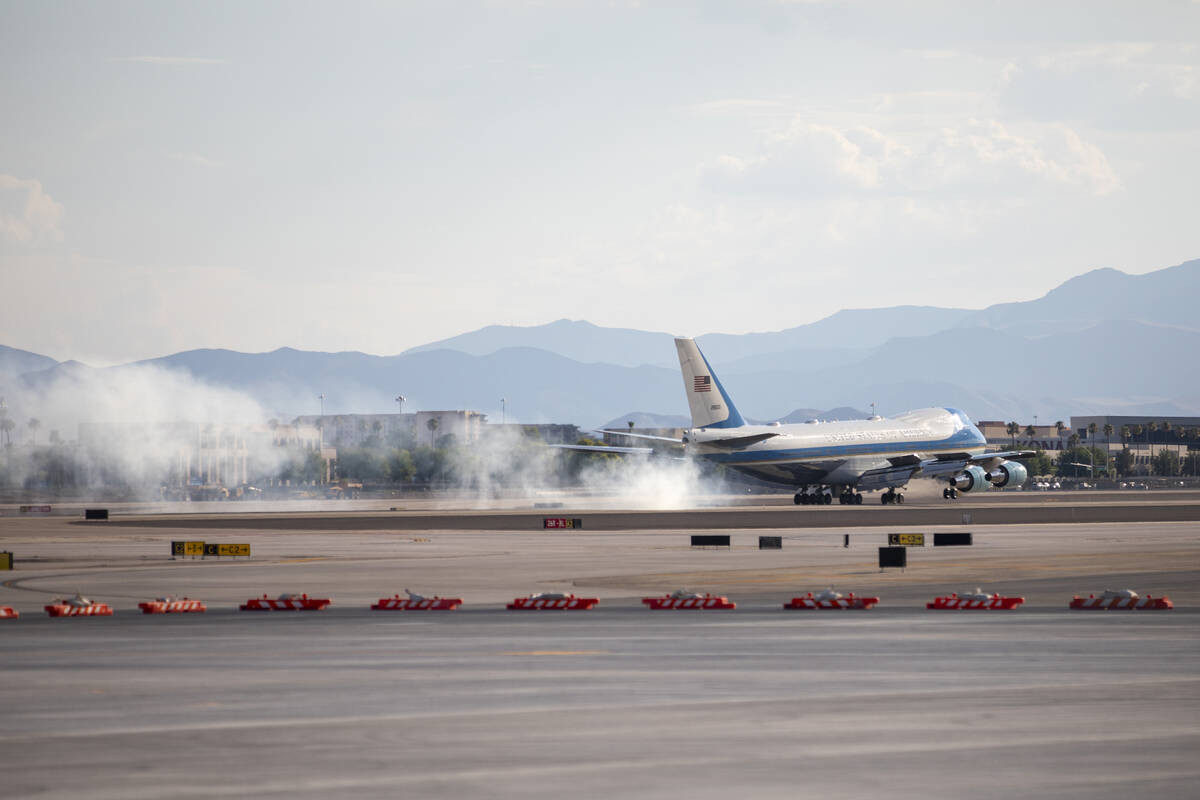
point(619, 701)
point(626, 703)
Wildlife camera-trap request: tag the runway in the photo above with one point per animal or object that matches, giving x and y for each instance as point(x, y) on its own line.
point(619, 701)
point(725, 513)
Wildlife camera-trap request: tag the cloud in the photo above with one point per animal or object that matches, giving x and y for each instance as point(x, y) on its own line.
point(28, 218)
point(196, 158)
point(1122, 85)
point(165, 60)
point(975, 156)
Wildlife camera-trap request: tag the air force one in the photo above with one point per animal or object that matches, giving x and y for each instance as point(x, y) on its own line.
point(821, 459)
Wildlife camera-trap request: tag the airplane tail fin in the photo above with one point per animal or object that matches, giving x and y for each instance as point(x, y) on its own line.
point(707, 400)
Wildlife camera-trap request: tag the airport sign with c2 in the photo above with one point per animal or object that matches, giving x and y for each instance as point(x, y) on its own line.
point(906, 540)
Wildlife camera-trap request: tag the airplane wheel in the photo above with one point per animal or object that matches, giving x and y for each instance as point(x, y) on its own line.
point(798, 499)
point(945, 494)
point(828, 499)
point(883, 499)
point(900, 499)
point(954, 494)
point(858, 499)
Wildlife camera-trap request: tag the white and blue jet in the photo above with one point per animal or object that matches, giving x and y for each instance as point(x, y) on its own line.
point(823, 459)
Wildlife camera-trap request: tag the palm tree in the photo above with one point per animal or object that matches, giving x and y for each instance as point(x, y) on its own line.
point(1165, 427)
point(1058, 426)
point(1030, 432)
point(33, 425)
point(6, 427)
point(1125, 435)
point(1108, 432)
point(1091, 429)
point(1013, 429)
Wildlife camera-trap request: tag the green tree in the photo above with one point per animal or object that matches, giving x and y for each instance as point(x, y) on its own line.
point(401, 468)
point(1013, 429)
point(1041, 464)
point(1191, 463)
point(1058, 426)
point(33, 425)
point(6, 427)
point(1166, 463)
point(1030, 432)
point(1124, 462)
point(1077, 461)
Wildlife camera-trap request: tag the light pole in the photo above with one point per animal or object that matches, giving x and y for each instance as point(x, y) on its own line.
point(321, 427)
point(400, 401)
point(503, 411)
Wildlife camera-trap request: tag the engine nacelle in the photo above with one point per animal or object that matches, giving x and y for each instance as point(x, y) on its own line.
point(973, 478)
point(1009, 473)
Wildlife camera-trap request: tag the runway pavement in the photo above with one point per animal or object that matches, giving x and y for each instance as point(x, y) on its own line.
point(619, 701)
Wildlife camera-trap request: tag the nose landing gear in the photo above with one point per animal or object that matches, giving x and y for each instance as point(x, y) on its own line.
point(950, 493)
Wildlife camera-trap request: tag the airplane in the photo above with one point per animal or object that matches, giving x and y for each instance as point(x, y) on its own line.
point(819, 459)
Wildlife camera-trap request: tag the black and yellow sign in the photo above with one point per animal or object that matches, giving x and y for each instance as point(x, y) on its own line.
point(210, 549)
point(193, 548)
point(906, 540)
point(6, 560)
point(562, 523)
point(233, 550)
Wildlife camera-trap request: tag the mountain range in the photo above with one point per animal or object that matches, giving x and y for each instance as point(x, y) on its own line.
point(1102, 342)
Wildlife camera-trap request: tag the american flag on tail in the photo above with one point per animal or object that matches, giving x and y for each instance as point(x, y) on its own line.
point(702, 383)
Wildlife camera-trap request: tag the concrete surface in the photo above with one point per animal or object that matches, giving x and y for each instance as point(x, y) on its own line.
point(615, 702)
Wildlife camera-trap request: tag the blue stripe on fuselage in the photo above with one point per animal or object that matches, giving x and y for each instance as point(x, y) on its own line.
point(964, 438)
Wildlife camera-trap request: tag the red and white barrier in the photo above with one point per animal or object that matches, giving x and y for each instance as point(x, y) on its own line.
point(822, 600)
point(680, 600)
point(286, 602)
point(975, 602)
point(171, 605)
point(8, 612)
point(78, 608)
point(552, 602)
point(417, 603)
point(1128, 601)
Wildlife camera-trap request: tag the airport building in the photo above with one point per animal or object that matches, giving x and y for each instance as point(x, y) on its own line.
point(184, 454)
point(421, 427)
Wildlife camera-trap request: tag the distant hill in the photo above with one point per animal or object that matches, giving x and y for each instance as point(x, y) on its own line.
point(1102, 342)
point(1166, 297)
point(577, 340)
point(16, 362)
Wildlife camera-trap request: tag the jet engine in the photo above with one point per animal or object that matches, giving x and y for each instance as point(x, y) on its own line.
point(973, 478)
point(1009, 473)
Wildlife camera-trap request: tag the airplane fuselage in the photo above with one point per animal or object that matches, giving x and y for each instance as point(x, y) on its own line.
point(838, 453)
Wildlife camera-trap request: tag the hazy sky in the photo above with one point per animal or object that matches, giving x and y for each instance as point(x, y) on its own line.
point(374, 176)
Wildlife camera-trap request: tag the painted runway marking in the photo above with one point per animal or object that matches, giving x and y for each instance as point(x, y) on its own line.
point(558, 653)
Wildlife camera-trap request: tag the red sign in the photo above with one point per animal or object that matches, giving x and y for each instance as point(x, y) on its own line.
point(561, 523)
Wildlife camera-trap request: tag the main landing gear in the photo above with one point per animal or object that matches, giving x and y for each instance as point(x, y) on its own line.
point(824, 497)
point(891, 496)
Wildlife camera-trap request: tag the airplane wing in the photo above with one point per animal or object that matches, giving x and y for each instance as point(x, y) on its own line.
point(739, 441)
point(910, 466)
point(954, 462)
point(645, 436)
point(595, 448)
